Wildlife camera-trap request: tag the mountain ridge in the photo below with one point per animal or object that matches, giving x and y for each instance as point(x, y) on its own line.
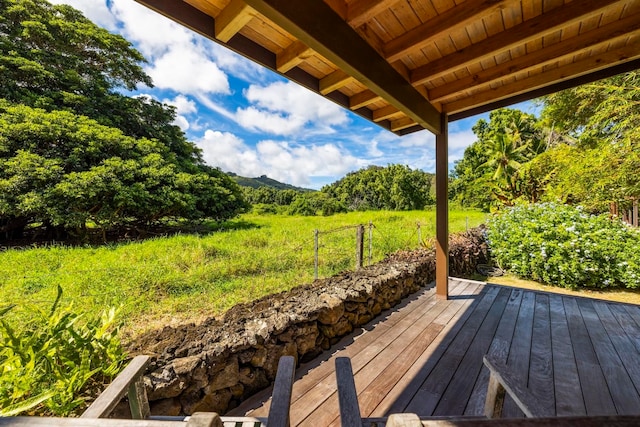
point(264, 181)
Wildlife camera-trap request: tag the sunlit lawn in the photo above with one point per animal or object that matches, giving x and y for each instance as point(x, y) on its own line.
point(187, 277)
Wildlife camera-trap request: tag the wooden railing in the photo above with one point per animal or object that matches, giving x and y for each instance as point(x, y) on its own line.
point(501, 383)
point(130, 382)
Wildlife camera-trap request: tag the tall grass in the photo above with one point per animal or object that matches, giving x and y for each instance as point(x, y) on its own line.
point(186, 277)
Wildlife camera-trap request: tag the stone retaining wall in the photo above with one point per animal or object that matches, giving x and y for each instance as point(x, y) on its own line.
point(215, 365)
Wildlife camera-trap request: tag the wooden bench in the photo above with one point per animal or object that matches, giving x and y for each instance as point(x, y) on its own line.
point(130, 383)
point(500, 382)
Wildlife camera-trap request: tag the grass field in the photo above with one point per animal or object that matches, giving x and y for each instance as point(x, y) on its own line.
point(182, 278)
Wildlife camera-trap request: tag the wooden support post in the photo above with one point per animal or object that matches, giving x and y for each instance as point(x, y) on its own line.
point(442, 209)
point(359, 246)
point(635, 212)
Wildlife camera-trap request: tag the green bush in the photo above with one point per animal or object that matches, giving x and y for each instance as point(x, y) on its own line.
point(58, 362)
point(565, 246)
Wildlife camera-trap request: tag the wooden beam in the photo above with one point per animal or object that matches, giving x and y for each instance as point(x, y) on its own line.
point(292, 56)
point(546, 90)
point(362, 99)
point(570, 47)
point(555, 75)
point(442, 209)
point(315, 24)
point(441, 25)
point(334, 81)
point(232, 18)
point(530, 30)
point(402, 123)
point(361, 11)
point(388, 112)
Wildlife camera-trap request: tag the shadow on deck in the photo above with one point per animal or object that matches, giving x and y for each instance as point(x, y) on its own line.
point(577, 355)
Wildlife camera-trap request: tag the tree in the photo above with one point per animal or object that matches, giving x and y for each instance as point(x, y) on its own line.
point(488, 174)
point(395, 187)
point(64, 170)
point(54, 58)
point(601, 166)
point(74, 149)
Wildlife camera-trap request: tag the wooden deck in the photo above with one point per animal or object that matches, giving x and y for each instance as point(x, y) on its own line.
point(579, 356)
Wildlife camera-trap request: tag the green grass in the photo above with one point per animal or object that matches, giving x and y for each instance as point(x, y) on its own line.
point(187, 277)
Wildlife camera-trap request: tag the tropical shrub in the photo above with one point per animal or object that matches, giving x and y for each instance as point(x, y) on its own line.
point(565, 246)
point(58, 363)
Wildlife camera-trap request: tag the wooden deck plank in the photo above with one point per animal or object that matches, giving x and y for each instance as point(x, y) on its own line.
point(428, 395)
point(499, 349)
point(615, 374)
point(316, 397)
point(402, 392)
point(627, 323)
point(420, 356)
point(597, 399)
point(407, 354)
point(567, 389)
point(371, 365)
point(457, 394)
point(350, 345)
point(541, 361)
point(520, 350)
point(623, 345)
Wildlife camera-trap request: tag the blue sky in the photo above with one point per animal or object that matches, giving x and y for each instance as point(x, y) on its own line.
point(249, 120)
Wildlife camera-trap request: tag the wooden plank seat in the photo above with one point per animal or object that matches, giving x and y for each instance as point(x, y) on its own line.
point(130, 382)
point(501, 382)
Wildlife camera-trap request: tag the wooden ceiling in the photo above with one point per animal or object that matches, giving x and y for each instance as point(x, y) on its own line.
point(401, 63)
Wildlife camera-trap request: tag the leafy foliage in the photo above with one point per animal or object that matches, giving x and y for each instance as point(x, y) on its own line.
point(395, 187)
point(54, 58)
point(601, 166)
point(66, 170)
point(488, 174)
point(58, 362)
point(565, 246)
point(74, 150)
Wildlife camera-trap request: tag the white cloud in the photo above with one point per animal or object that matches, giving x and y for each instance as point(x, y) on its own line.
point(188, 71)
point(285, 108)
point(183, 104)
point(280, 160)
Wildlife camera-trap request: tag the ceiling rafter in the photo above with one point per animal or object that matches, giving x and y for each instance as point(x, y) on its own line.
point(314, 23)
point(456, 17)
point(362, 99)
point(384, 113)
point(292, 56)
point(361, 11)
point(232, 19)
point(400, 124)
point(527, 31)
point(334, 81)
point(584, 67)
point(548, 89)
point(575, 45)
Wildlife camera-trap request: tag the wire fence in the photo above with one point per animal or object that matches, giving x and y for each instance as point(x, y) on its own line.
point(333, 252)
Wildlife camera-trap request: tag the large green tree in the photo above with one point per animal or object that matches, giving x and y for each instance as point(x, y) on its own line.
point(489, 172)
point(395, 187)
point(600, 165)
point(73, 148)
point(66, 170)
point(52, 57)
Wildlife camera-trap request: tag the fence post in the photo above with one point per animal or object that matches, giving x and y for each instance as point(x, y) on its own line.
point(370, 240)
point(359, 246)
point(419, 234)
point(315, 253)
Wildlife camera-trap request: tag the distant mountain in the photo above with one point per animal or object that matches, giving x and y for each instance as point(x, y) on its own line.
point(264, 181)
